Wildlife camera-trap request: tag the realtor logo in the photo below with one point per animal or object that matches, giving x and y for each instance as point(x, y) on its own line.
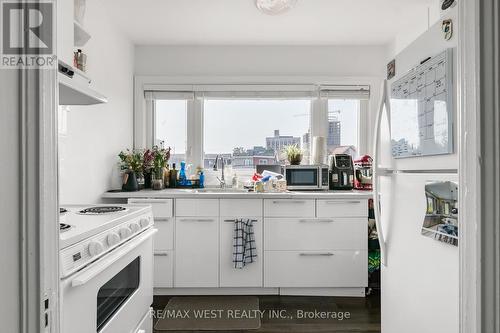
point(27, 36)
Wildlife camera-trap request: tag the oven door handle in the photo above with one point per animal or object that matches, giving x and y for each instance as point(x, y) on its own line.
point(104, 262)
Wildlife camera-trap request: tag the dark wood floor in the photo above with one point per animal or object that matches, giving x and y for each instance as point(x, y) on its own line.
point(364, 314)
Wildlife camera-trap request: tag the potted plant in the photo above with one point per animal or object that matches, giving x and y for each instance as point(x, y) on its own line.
point(160, 157)
point(131, 162)
point(293, 154)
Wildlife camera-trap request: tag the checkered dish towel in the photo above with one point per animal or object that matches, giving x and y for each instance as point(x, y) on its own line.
point(244, 249)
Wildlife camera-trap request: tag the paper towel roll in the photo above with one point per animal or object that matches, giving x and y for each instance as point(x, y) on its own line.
point(318, 151)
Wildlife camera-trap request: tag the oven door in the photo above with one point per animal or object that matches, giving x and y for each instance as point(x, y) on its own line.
point(303, 178)
point(112, 294)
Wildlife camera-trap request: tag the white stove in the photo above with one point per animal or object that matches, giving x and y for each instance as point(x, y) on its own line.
point(106, 267)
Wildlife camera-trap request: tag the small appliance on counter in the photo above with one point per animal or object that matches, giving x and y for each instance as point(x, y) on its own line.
point(341, 172)
point(363, 173)
point(306, 177)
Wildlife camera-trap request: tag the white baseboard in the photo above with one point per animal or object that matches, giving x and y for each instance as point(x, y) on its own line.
point(341, 292)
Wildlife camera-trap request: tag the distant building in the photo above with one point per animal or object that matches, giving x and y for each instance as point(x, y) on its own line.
point(334, 130)
point(249, 158)
point(278, 142)
point(400, 147)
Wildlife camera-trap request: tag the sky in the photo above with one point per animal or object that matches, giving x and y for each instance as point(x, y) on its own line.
point(247, 123)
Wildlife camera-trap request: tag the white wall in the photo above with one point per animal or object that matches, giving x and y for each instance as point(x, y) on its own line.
point(260, 60)
point(96, 134)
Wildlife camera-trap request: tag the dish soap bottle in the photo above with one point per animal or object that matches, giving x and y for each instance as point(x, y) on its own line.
point(182, 174)
point(202, 179)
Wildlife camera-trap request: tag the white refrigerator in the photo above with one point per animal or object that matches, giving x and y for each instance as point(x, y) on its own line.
point(419, 274)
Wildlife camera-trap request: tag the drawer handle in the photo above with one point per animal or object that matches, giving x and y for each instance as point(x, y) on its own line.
point(161, 254)
point(341, 202)
point(323, 254)
point(161, 219)
point(234, 220)
point(317, 220)
point(289, 202)
point(197, 220)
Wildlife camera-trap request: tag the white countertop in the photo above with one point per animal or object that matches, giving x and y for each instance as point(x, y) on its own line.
point(186, 193)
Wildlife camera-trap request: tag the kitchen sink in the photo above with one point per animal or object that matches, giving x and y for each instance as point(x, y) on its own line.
point(220, 190)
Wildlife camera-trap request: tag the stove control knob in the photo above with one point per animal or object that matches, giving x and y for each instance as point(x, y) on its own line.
point(144, 222)
point(134, 227)
point(113, 239)
point(125, 232)
point(95, 248)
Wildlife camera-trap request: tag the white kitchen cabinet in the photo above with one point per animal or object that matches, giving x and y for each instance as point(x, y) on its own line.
point(65, 32)
point(162, 208)
point(289, 208)
point(342, 208)
point(163, 275)
point(241, 207)
point(196, 252)
point(315, 234)
point(251, 274)
point(314, 269)
point(164, 238)
point(197, 207)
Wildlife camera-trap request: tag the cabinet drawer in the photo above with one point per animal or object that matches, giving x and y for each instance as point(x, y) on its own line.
point(342, 208)
point(162, 208)
point(197, 207)
point(315, 269)
point(240, 207)
point(316, 234)
point(251, 274)
point(164, 238)
point(163, 275)
point(289, 208)
point(196, 252)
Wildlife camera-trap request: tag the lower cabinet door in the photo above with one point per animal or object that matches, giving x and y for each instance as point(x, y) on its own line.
point(196, 252)
point(251, 274)
point(163, 269)
point(316, 269)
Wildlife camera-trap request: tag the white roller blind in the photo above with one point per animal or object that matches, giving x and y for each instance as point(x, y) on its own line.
point(153, 95)
point(345, 92)
point(237, 91)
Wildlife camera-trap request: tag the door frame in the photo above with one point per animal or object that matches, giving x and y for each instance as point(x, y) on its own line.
point(479, 165)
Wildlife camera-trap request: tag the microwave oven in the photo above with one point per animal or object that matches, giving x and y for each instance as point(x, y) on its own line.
point(306, 177)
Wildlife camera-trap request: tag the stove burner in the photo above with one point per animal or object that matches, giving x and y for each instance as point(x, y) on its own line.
point(64, 227)
point(62, 210)
point(99, 210)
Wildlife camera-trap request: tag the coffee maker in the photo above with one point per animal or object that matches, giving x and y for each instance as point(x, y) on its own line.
point(341, 172)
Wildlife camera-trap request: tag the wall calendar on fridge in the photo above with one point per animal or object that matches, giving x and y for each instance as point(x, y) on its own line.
point(422, 109)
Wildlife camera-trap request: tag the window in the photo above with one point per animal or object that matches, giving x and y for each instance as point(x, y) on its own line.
point(250, 132)
point(170, 127)
point(249, 125)
point(343, 126)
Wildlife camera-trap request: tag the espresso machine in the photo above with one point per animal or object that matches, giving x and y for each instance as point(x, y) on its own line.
point(341, 172)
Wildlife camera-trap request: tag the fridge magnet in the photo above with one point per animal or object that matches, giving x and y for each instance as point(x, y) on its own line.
point(441, 216)
point(447, 28)
point(447, 4)
point(391, 69)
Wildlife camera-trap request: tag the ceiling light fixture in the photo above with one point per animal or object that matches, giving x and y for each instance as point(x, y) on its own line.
point(274, 7)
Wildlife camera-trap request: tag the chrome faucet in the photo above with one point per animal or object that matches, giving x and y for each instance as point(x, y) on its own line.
point(222, 179)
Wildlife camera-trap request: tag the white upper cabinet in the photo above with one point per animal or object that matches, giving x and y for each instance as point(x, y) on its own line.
point(65, 31)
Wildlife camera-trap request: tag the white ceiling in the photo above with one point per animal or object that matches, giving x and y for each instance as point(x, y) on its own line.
point(238, 22)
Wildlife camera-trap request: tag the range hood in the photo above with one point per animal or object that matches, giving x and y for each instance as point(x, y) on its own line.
point(74, 88)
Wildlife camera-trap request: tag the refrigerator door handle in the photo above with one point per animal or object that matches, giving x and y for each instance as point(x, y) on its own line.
point(384, 102)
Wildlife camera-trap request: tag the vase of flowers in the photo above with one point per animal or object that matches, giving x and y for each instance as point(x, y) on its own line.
point(131, 162)
point(293, 154)
point(157, 162)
